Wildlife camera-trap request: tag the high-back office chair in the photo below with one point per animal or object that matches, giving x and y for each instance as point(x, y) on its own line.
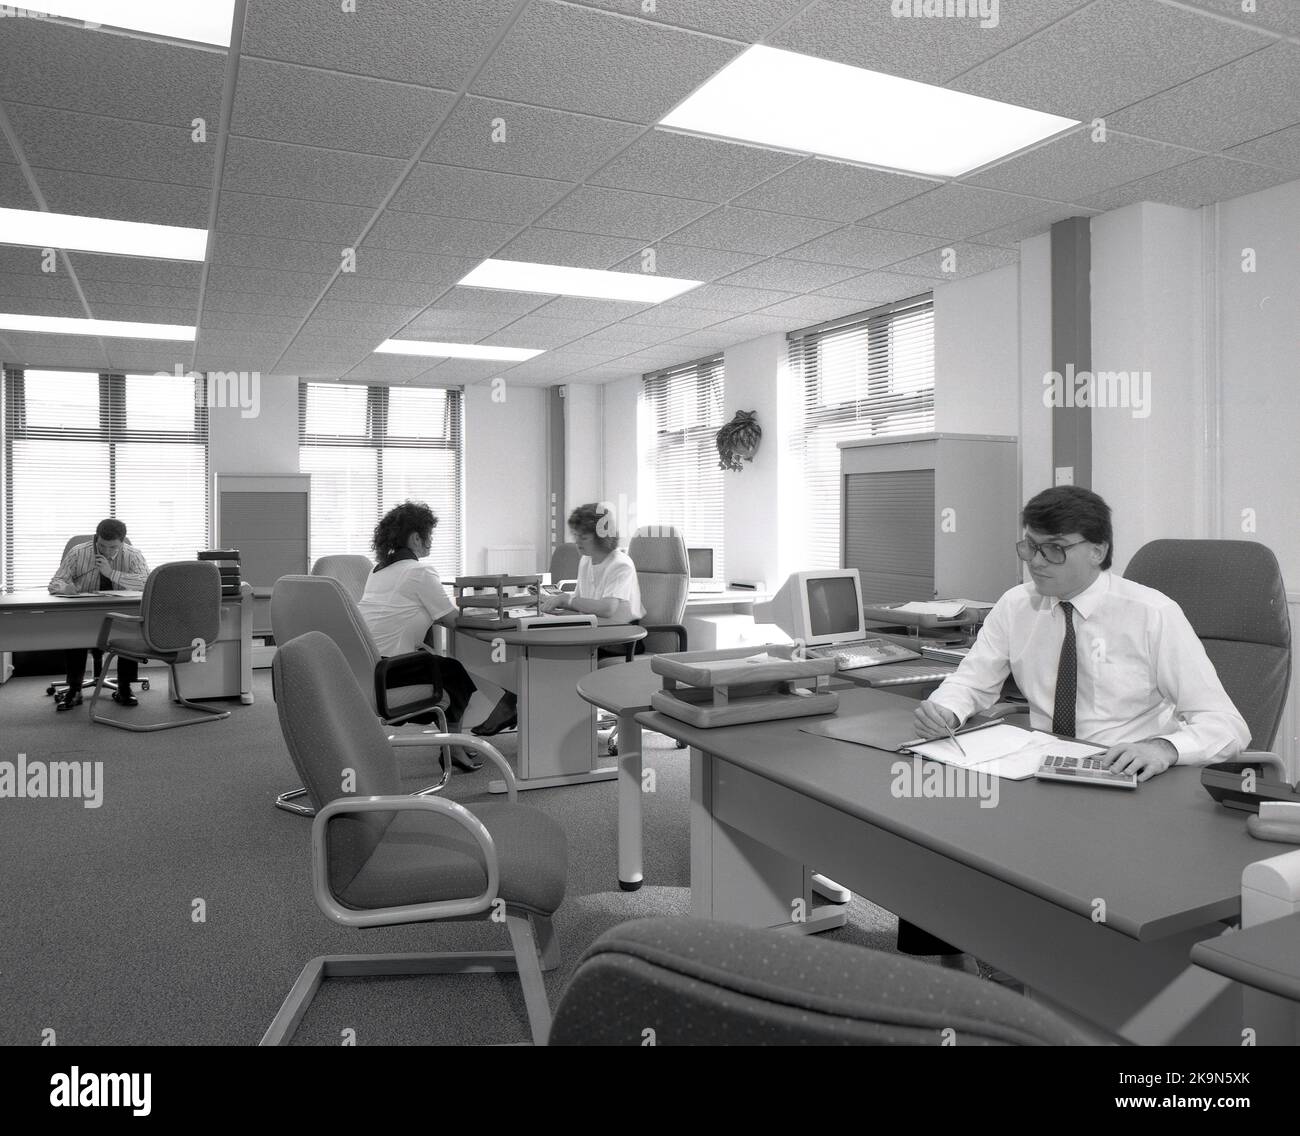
point(380, 858)
point(179, 611)
point(349, 570)
point(698, 982)
point(320, 603)
point(1233, 596)
point(663, 574)
point(96, 655)
point(564, 563)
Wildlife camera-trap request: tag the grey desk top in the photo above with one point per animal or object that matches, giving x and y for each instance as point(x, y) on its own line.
point(37, 598)
point(1266, 956)
point(561, 636)
point(1164, 857)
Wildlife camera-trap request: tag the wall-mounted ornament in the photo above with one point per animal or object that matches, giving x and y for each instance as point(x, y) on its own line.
point(738, 440)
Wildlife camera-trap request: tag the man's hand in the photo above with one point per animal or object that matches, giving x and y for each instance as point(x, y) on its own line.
point(1146, 759)
point(933, 720)
point(104, 565)
point(62, 590)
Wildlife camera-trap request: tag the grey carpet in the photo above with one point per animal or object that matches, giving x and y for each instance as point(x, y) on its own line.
point(103, 943)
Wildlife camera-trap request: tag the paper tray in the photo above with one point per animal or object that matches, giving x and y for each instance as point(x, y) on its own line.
point(695, 706)
point(688, 668)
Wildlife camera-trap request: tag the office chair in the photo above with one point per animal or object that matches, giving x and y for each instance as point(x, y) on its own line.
point(180, 609)
point(1233, 596)
point(380, 859)
point(350, 571)
point(564, 563)
point(663, 574)
point(96, 655)
point(699, 982)
point(321, 603)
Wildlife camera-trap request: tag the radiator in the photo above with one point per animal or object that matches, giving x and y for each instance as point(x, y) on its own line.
point(510, 560)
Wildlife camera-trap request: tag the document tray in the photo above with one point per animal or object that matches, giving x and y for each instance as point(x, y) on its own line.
point(760, 686)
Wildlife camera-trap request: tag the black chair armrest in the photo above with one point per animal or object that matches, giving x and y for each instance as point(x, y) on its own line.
point(386, 664)
point(666, 629)
point(106, 628)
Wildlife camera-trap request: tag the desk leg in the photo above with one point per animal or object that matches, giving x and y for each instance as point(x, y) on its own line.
point(629, 802)
point(246, 649)
point(737, 878)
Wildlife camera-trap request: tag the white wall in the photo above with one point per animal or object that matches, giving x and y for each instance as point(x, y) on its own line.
point(1035, 361)
point(976, 352)
point(267, 442)
point(505, 473)
point(1147, 318)
point(620, 447)
point(584, 430)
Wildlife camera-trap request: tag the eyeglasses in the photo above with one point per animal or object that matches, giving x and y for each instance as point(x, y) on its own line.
point(1053, 552)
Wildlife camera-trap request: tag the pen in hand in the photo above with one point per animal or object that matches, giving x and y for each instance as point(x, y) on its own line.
point(955, 742)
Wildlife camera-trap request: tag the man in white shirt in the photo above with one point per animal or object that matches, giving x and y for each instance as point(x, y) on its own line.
point(1098, 657)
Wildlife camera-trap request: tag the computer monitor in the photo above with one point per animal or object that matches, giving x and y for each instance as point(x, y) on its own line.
point(701, 564)
point(819, 608)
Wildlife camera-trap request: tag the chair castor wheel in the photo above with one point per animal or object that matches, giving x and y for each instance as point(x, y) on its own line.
point(613, 750)
point(144, 684)
point(49, 690)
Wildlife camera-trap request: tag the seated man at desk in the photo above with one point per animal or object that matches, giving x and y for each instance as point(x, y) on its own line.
point(607, 588)
point(105, 563)
point(403, 599)
point(1098, 657)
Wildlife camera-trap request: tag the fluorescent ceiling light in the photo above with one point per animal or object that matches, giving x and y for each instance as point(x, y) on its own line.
point(560, 280)
point(202, 21)
point(115, 329)
point(97, 234)
point(794, 102)
point(456, 350)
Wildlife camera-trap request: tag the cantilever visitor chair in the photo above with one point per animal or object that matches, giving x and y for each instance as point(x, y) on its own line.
point(349, 570)
point(180, 615)
point(381, 858)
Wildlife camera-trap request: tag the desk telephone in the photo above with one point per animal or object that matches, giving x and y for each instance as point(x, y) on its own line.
point(1256, 783)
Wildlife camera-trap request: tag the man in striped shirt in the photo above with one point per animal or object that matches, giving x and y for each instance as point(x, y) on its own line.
point(106, 563)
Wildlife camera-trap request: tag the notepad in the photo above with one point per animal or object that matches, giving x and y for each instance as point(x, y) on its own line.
point(1003, 750)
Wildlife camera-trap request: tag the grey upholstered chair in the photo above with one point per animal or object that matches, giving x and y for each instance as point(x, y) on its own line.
point(564, 563)
point(321, 603)
point(180, 609)
point(663, 574)
point(1233, 596)
point(349, 570)
point(380, 858)
point(697, 982)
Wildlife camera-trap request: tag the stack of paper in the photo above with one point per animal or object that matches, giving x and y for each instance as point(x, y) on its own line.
point(1003, 750)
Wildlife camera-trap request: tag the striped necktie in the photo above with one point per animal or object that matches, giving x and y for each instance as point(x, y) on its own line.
point(1067, 678)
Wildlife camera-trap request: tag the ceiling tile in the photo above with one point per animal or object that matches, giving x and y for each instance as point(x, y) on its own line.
point(124, 199)
point(1274, 15)
point(349, 286)
point(390, 264)
point(142, 356)
point(16, 304)
point(1108, 55)
point(957, 261)
point(490, 301)
point(739, 19)
point(579, 60)
point(673, 315)
point(834, 191)
point(809, 310)
point(746, 230)
point(957, 211)
point(147, 295)
point(387, 369)
point(267, 281)
point(588, 309)
point(38, 286)
point(434, 42)
point(876, 288)
point(318, 221)
point(927, 50)
point(541, 370)
point(144, 313)
point(789, 275)
point(452, 372)
point(724, 298)
point(98, 144)
point(486, 134)
point(632, 336)
point(270, 252)
point(320, 108)
point(309, 173)
point(621, 213)
point(54, 351)
point(752, 326)
point(1206, 112)
point(14, 192)
point(451, 236)
point(121, 77)
point(382, 315)
point(537, 331)
point(136, 270)
point(454, 327)
point(486, 195)
point(1192, 185)
point(257, 324)
point(685, 166)
point(1011, 235)
point(697, 343)
point(333, 331)
point(859, 247)
point(1281, 148)
point(578, 250)
point(685, 262)
point(217, 300)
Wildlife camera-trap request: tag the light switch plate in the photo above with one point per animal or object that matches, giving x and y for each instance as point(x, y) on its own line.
point(1064, 475)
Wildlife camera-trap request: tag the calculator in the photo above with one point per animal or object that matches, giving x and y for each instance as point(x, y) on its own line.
point(1083, 771)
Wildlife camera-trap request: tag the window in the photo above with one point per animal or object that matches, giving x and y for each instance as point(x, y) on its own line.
point(865, 376)
point(685, 410)
point(80, 447)
point(370, 448)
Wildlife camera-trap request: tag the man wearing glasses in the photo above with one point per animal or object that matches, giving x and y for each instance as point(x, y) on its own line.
point(1098, 657)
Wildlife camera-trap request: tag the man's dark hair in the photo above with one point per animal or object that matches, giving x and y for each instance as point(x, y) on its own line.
point(110, 528)
point(1071, 509)
point(596, 520)
point(394, 531)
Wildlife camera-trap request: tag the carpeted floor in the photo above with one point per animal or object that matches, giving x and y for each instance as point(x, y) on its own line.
point(180, 911)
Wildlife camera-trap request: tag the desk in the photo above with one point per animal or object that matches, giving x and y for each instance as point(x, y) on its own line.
point(557, 729)
point(1018, 885)
point(37, 621)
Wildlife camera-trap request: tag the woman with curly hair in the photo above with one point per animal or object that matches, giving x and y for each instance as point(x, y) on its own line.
point(403, 599)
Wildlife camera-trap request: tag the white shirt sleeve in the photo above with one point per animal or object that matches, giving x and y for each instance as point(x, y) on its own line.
point(976, 684)
point(431, 594)
point(1211, 728)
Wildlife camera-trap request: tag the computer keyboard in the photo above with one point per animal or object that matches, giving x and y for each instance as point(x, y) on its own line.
point(1083, 771)
point(868, 653)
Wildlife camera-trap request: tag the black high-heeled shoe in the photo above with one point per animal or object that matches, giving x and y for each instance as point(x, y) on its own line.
point(502, 718)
